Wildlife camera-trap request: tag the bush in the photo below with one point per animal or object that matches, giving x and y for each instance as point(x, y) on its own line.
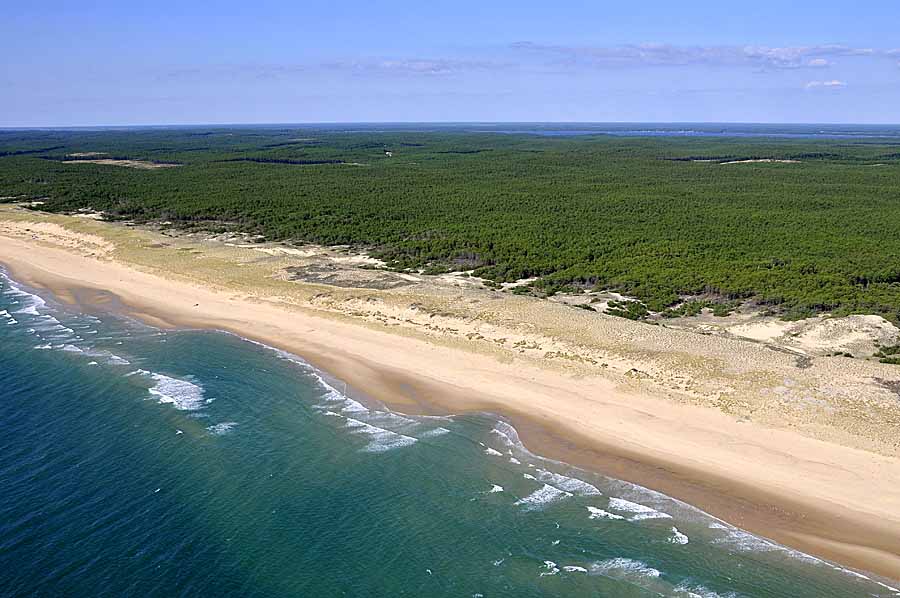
point(890, 354)
point(633, 310)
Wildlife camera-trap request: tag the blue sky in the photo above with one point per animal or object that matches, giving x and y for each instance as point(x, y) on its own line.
point(107, 63)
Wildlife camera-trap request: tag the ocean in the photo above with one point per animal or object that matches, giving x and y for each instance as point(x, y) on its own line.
point(857, 133)
point(143, 462)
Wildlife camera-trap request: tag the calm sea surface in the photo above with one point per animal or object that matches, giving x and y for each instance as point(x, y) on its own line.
point(140, 462)
point(882, 134)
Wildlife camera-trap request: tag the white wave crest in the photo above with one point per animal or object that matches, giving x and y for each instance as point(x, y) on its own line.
point(542, 497)
point(507, 434)
point(351, 406)
point(573, 485)
point(640, 512)
point(678, 537)
point(31, 302)
point(34, 304)
point(549, 568)
point(743, 541)
point(697, 591)
point(220, 429)
point(184, 395)
point(390, 418)
point(623, 568)
point(110, 358)
point(596, 513)
point(380, 440)
point(434, 432)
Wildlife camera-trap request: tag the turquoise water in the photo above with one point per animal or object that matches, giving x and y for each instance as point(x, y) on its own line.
point(140, 462)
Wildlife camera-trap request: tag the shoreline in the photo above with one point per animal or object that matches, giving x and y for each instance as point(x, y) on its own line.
point(800, 492)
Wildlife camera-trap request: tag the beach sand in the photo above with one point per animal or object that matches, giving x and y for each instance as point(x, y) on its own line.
point(804, 452)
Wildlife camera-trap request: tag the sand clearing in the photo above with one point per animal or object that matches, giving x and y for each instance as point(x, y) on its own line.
point(805, 455)
point(762, 160)
point(139, 164)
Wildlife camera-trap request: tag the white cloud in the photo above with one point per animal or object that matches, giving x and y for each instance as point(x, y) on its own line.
point(406, 66)
point(832, 84)
point(765, 57)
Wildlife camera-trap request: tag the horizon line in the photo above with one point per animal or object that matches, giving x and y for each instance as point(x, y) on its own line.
point(56, 127)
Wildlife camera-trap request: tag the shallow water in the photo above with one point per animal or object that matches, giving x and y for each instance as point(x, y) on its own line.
point(141, 462)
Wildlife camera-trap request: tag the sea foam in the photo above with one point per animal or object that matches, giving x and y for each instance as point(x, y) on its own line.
point(549, 568)
point(678, 538)
point(542, 497)
point(434, 432)
point(385, 429)
point(222, 428)
point(596, 513)
point(623, 568)
point(184, 395)
point(29, 302)
point(639, 512)
point(687, 590)
point(380, 440)
point(569, 484)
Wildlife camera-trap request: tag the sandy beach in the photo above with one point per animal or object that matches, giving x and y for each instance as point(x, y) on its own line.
point(804, 452)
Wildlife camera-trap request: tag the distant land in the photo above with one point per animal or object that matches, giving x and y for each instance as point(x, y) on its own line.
point(796, 218)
